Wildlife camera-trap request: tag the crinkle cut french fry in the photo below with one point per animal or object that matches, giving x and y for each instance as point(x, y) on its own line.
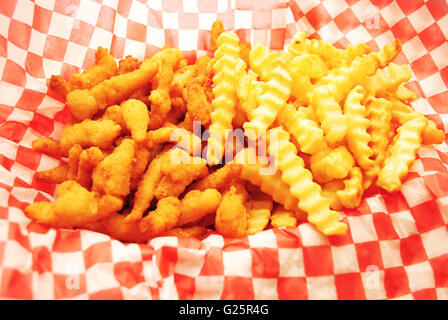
point(388, 79)
point(228, 67)
point(247, 92)
point(350, 196)
point(357, 137)
point(402, 113)
point(306, 132)
point(379, 114)
point(405, 94)
point(301, 184)
point(334, 87)
point(332, 56)
point(328, 164)
point(275, 94)
point(401, 155)
point(252, 170)
point(329, 191)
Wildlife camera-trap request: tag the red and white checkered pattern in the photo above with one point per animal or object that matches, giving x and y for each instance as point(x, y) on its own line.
point(396, 246)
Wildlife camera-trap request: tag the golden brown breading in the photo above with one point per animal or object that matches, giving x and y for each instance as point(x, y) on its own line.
point(197, 204)
point(128, 64)
point(163, 218)
point(220, 179)
point(230, 220)
point(75, 206)
point(89, 133)
point(113, 174)
point(47, 145)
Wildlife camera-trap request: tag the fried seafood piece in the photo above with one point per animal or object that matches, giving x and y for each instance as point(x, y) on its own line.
point(89, 133)
point(178, 172)
point(54, 175)
point(245, 48)
point(217, 29)
point(258, 214)
point(84, 104)
point(142, 157)
point(184, 232)
point(88, 160)
point(282, 217)
point(230, 220)
point(198, 105)
point(47, 145)
point(135, 116)
point(58, 84)
point(170, 133)
point(197, 204)
point(75, 206)
point(117, 227)
point(73, 161)
point(160, 95)
point(220, 179)
point(128, 64)
point(146, 188)
point(113, 174)
point(163, 218)
point(103, 68)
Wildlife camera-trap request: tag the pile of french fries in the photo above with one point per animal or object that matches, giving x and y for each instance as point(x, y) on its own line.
point(238, 142)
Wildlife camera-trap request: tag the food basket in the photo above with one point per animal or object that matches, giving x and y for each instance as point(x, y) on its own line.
point(396, 246)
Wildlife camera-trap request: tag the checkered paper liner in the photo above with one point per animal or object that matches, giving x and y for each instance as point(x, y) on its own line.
point(396, 246)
